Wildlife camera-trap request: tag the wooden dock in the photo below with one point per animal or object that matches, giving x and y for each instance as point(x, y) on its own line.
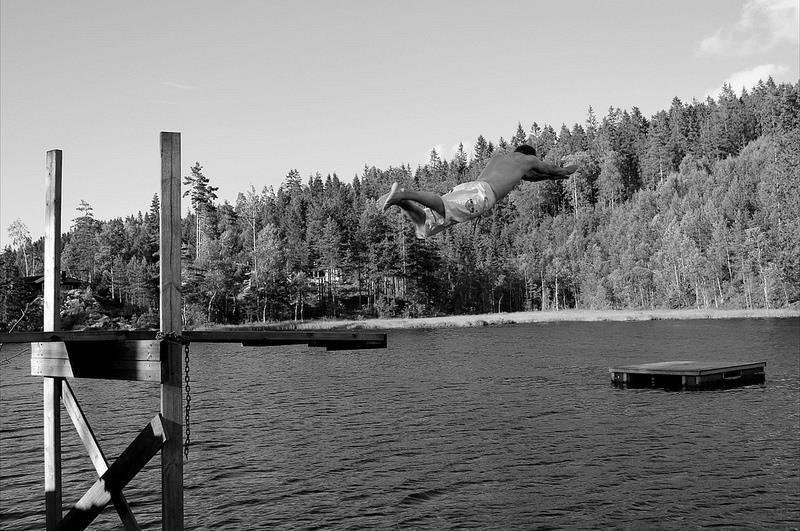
point(160, 357)
point(689, 374)
point(136, 354)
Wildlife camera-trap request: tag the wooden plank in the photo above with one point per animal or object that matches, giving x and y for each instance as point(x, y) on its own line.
point(99, 350)
point(170, 313)
point(78, 335)
point(118, 475)
point(111, 369)
point(727, 368)
point(52, 321)
point(333, 340)
point(149, 350)
point(253, 338)
point(96, 454)
point(349, 345)
point(84, 430)
point(282, 337)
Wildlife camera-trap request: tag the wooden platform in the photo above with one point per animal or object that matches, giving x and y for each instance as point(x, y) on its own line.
point(140, 355)
point(330, 339)
point(689, 374)
point(137, 354)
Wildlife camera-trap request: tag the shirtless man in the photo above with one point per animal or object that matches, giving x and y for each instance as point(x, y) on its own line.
point(469, 200)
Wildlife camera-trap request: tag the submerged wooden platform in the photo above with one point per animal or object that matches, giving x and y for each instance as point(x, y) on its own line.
point(689, 374)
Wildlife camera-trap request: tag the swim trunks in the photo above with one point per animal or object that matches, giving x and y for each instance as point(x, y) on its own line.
point(464, 202)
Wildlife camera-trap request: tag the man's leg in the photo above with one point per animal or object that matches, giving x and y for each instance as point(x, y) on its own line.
point(428, 199)
point(413, 212)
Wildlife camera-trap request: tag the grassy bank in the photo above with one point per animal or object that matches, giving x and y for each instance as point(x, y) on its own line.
point(529, 317)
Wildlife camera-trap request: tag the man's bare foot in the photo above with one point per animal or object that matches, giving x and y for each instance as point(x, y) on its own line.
point(392, 199)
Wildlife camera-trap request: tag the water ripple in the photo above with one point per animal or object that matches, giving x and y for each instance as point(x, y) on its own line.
point(501, 427)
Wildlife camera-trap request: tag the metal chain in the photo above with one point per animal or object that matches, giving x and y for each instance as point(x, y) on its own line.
point(172, 336)
point(187, 440)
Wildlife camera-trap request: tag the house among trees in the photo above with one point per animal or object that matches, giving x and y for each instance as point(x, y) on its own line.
point(36, 282)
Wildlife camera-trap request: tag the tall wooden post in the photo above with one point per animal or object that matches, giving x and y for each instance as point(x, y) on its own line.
point(52, 322)
point(170, 308)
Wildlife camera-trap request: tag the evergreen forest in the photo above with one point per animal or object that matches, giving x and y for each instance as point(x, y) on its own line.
point(697, 206)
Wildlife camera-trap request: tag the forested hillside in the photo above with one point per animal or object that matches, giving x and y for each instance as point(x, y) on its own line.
point(696, 206)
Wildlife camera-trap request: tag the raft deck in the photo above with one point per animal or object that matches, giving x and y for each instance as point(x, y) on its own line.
point(689, 374)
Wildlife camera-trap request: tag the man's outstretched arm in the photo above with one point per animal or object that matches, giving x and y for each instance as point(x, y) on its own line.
point(547, 172)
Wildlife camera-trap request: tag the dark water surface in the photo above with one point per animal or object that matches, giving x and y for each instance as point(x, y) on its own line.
point(512, 427)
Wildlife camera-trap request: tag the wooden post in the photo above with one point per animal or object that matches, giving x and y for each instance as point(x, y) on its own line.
point(52, 242)
point(170, 308)
point(52, 322)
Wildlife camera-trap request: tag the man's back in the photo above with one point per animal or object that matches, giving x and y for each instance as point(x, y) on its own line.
point(504, 171)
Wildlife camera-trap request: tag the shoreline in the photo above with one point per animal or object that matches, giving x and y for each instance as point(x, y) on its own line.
point(499, 319)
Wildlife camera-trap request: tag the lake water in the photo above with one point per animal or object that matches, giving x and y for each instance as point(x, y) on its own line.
point(512, 427)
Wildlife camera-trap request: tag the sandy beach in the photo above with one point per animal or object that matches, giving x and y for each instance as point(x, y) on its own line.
point(489, 319)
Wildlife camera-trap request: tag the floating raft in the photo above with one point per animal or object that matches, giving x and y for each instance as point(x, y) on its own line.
point(689, 374)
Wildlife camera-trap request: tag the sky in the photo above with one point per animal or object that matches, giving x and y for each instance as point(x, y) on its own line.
point(259, 88)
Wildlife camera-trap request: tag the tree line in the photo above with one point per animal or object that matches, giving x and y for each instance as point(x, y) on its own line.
point(697, 206)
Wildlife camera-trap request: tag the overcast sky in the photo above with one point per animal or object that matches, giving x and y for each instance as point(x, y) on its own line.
point(261, 87)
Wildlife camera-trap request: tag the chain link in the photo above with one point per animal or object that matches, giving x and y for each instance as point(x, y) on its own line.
point(177, 338)
point(171, 336)
point(187, 440)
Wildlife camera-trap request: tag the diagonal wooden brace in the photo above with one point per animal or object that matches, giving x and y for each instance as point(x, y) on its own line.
point(128, 464)
point(95, 453)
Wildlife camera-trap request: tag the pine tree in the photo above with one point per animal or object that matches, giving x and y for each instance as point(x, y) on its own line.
point(519, 137)
point(110, 242)
point(202, 196)
point(21, 239)
point(459, 164)
point(78, 256)
point(152, 224)
point(481, 151)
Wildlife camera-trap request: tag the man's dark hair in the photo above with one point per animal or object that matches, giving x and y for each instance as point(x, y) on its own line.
point(526, 149)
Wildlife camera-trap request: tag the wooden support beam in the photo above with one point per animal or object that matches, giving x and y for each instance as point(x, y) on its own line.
point(96, 454)
point(112, 360)
point(121, 350)
point(170, 313)
point(132, 371)
point(52, 321)
point(52, 452)
point(118, 475)
point(78, 335)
